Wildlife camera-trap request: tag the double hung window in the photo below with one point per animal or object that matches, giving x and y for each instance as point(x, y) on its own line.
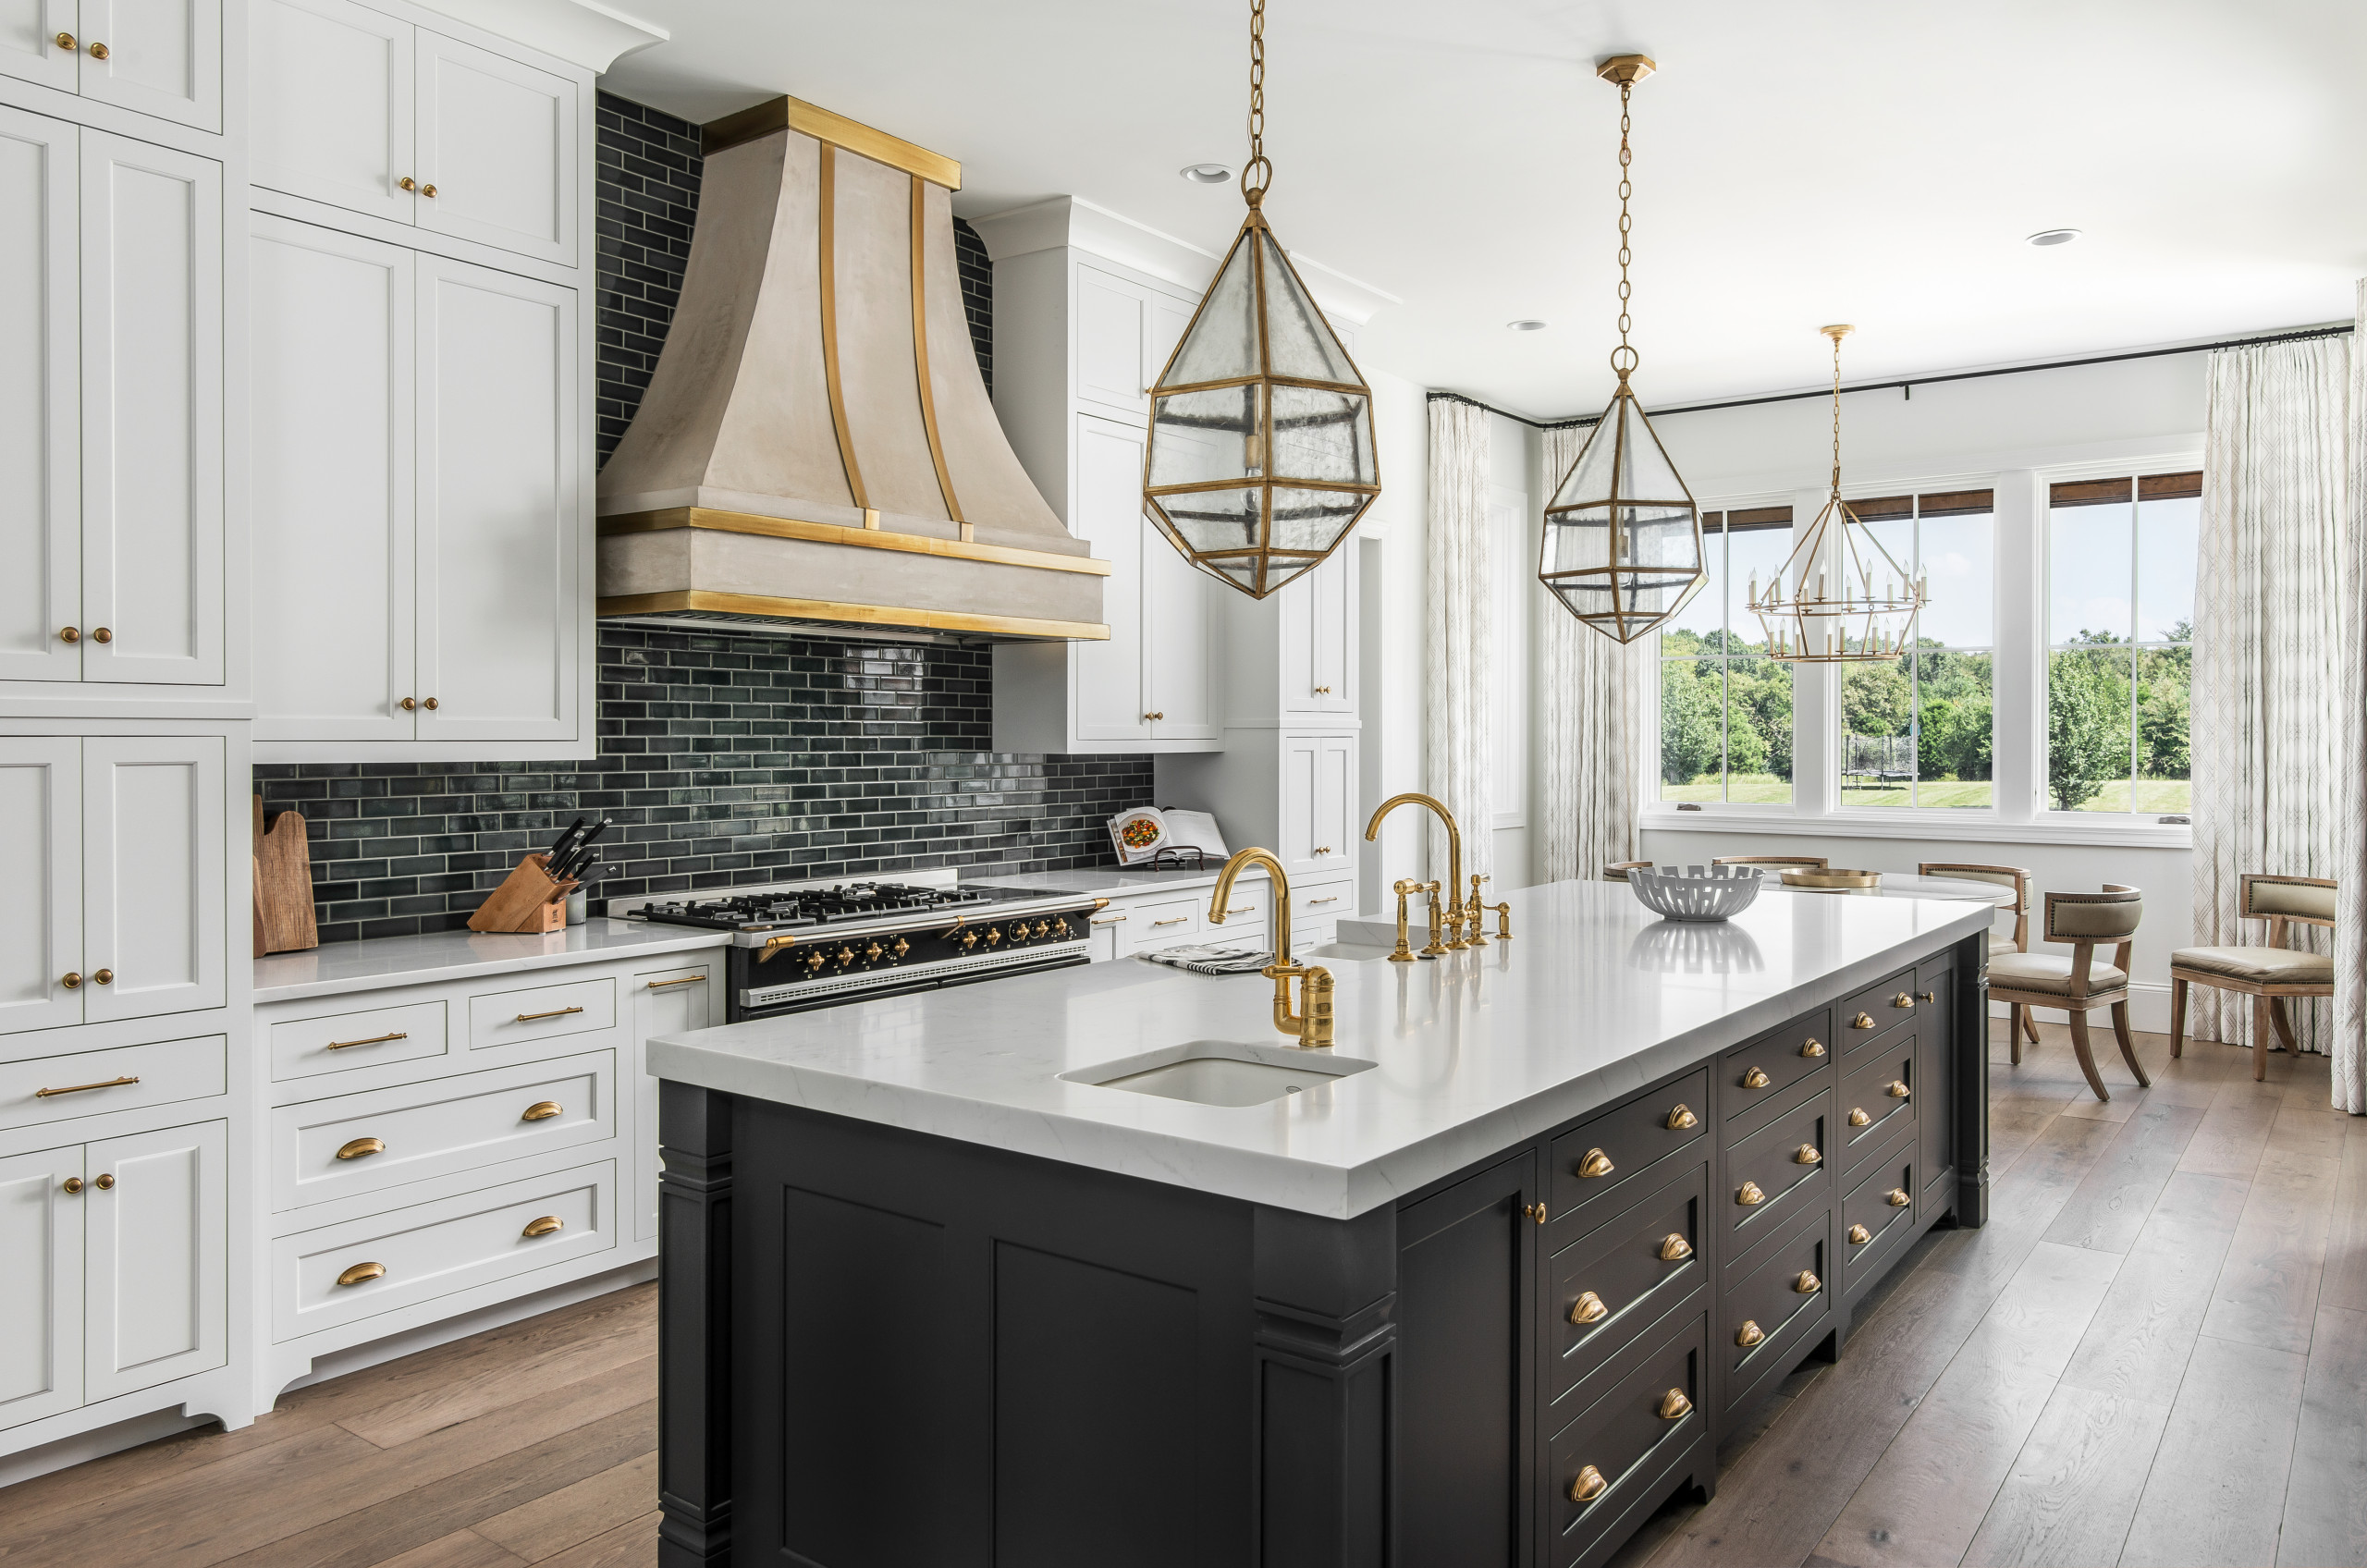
point(1919, 730)
point(1725, 706)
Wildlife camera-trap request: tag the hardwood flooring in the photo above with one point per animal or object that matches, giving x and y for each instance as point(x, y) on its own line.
point(2154, 1353)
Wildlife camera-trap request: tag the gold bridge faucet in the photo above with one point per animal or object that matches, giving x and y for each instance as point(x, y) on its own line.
point(1311, 1019)
point(1456, 913)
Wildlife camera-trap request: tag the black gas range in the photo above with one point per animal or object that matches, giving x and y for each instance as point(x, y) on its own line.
point(796, 949)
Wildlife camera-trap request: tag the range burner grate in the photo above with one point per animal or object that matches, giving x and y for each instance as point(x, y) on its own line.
point(813, 906)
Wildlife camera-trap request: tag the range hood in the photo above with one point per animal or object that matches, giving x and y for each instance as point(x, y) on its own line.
point(817, 449)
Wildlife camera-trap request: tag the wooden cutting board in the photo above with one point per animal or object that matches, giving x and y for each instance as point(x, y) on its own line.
point(284, 920)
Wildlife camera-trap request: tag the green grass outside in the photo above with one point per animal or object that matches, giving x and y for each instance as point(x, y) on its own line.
point(2154, 796)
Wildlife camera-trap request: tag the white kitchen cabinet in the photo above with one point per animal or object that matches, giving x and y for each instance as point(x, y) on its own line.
point(41, 863)
point(1126, 330)
point(665, 1002)
point(40, 506)
point(1293, 792)
point(159, 57)
point(1316, 636)
point(155, 1262)
point(40, 1290)
point(1319, 781)
point(366, 112)
point(29, 47)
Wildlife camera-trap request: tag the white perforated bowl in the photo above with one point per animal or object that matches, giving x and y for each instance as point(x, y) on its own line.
point(1696, 892)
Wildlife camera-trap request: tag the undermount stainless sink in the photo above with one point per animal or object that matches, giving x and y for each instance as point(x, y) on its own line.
point(1221, 1073)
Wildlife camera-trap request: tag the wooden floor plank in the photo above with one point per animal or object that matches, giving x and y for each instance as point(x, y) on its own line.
point(2217, 1492)
point(2325, 1497)
point(632, 1545)
point(2137, 1344)
point(2344, 1283)
point(2234, 1131)
point(494, 1381)
point(2110, 1206)
point(461, 1549)
point(595, 1505)
point(2073, 1488)
point(2267, 1293)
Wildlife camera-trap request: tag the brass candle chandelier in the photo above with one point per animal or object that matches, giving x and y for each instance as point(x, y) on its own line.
point(1868, 616)
point(1259, 459)
point(1623, 538)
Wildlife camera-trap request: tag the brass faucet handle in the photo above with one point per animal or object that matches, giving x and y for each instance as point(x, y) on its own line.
point(1439, 918)
point(1405, 950)
point(1504, 921)
point(1473, 915)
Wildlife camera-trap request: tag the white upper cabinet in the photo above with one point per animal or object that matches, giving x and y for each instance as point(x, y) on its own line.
point(40, 505)
point(1124, 333)
point(1109, 700)
point(159, 57)
point(30, 49)
point(1316, 637)
point(362, 111)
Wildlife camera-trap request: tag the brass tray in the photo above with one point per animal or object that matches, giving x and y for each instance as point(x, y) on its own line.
point(1832, 881)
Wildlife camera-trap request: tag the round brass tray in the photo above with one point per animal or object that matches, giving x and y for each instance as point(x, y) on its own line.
point(1832, 881)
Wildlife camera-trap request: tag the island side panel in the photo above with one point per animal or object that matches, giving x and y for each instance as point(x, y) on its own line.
point(694, 1328)
point(1971, 1065)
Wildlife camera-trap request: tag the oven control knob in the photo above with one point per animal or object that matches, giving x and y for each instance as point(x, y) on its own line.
point(817, 958)
point(901, 948)
point(873, 952)
point(994, 934)
point(1043, 928)
point(969, 939)
point(846, 956)
point(1061, 925)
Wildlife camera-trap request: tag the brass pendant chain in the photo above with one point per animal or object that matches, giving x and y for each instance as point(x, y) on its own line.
point(1255, 194)
point(1836, 415)
point(1624, 359)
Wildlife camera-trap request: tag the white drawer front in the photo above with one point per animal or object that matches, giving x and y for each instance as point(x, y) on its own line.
point(370, 1037)
point(542, 1012)
point(1166, 924)
point(1322, 900)
point(1249, 904)
point(93, 1082)
point(434, 1249)
point(445, 1124)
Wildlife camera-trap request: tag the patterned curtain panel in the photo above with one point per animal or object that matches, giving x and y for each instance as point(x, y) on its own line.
point(2268, 738)
point(2350, 1033)
point(1594, 720)
point(1457, 750)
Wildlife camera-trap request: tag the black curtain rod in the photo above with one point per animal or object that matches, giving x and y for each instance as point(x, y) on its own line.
point(1580, 421)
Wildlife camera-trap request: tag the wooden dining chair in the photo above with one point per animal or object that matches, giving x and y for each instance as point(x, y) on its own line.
point(1781, 862)
point(2079, 985)
point(2018, 879)
point(1617, 870)
point(2266, 975)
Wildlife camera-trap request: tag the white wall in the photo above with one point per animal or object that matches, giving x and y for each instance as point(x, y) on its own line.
point(1391, 634)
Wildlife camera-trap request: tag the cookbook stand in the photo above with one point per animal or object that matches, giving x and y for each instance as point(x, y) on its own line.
point(528, 900)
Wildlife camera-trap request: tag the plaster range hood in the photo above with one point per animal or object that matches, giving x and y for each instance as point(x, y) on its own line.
point(816, 450)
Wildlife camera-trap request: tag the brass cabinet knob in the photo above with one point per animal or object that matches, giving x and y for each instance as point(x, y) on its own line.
point(1535, 1211)
point(72, 1184)
point(427, 190)
point(1808, 1154)
point(1898, 1199)
point(1596, 1163)
point(1863, 1021)
point(1681, 1118)
point(361, 1148)
point(1675, 1406)
point(540, 1110)
point(1859, 1236)
point(1811, 1047)
point(409, 704)
point(105, 1183)
point(102, 976)
point(1932, 996)
point(1589, 1485)
point(100, 633)
point(407, 183)
point(1755, 1079)
point(68, 633)
point(549, 1224)
point(1749, 1195)
point(362, 1271)
point(98, 51)
point(1151, 717)
point(1323, 690)
point(1898, 1089)
point(66, 41)
point(1858, 1118)
point(1588, 1308)
point(431, 705)
point(1808, 1285)
point(1748, 1334)
point(1324, 849)
point(1902, 999)
point(1675, 1248)
point(70, 980)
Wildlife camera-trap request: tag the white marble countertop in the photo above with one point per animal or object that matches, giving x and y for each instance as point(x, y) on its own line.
point(376, 963)
point(1475, 1051)
point(1106, 881)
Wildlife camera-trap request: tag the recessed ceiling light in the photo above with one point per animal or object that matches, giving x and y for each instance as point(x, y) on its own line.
point(1206, 174)
point(2053, 236)
point(1526, 324)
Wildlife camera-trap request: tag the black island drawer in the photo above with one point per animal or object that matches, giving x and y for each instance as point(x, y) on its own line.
point(1776, 1308)
point(1755, 1075)
point(1878, 1215)
point(1615, 1281)
point(1774, 1173)
point(1598, 1463)
point(1593, 1159)
point(1871, 1014)
point(1876, 1097)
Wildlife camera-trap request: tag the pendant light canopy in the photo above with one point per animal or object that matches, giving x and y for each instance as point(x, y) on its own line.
point(1869, 615)
point(1259, 459)
point(1623, 538)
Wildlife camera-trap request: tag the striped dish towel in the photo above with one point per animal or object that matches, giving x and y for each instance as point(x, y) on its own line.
point(1210, 960)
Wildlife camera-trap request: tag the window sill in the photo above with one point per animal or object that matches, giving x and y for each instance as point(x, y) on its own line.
point(1930, 827)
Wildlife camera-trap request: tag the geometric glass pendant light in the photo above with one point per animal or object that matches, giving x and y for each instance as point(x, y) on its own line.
point(1259, 459)
point(1622, 539)
point(1869, 615)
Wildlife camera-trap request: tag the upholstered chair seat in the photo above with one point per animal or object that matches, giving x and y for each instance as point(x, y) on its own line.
point(2078, 984)
point(2002, 945)
point(2259, 964)
point(2271, 975)
point(2052, 974)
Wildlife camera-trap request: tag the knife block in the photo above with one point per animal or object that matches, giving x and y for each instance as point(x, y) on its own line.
point(528, 900)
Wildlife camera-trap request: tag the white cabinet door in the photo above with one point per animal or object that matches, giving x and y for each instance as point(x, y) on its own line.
point(157, 1235)
point(329, 106)
point(1298, 782)
point(496, 146)
point(40, 866)
point(154, 913)
point(498, 507)
point(40, 506)
point(29, 47)
point(665, 1002)
point(1109, 696)
point(162, 57)
point(151, 413)
point(1335, 803)
point(40, 1289)
point(1112, 334)
point(1165, 323)
point(1333, 594)
point(1181, 647)
point(331, 473)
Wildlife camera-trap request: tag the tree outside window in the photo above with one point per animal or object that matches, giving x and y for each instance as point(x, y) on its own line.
point(1918, 731)
point(1726, 707)
point(2120, 628)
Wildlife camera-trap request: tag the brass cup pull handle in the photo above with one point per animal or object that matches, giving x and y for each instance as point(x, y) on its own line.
point(98, 51)
point(1750, 1334)
point(1808, 1154)
point(372, 1040)
point(1749, 1195)
point(540, 1110)
point(1675, 1248)
point(1681, 1118)
point(361, 1272)
point(685, 980)
point(100, 633)
point(1675, 1406)
point(1808, 1285)
point(1898, 1089)
point(70, 980)
point(1588, 1308)
point(1859, 1236)
point(361, 1148)
point(68, 633)
point(66, 41)
point(1902, 999)
point(1589, 1485)
point(1863, 1021)
point(80, 1088)
point(73, 1185)
point(1897, 1197)
point(102, 976)
point(105, 1183)
point(555, 1012)
point(1755, 1079)
point(548, 1225)
point(1596, 1163)
point(1811, 1047)
point(1535, 1211)
point(1857, 1117)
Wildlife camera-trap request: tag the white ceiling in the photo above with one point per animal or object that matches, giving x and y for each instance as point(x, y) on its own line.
point(1857, 160)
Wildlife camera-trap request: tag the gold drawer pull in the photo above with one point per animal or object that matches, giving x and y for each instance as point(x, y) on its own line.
point(1111, 920)
point(79, 1088)
point(1588, 1308)
point(372, 1040)
point(540, 1110)
point(548, 1225)
point(1750, 1334)
point(1863, 1021)
point(1808, 1285)
point(361, 1148)
point(1898, 1199)
point(1178, 920)
point(1932, 996)
point(1859, 1236)
point(1313, 903)
point(1242, 909)
point(1755, 1079)
point(1675, 1248)
point(1858, 1118)
point(1902, 999)
point(555, 1012)
point(1749, 1196)
point(1589, 1485)
point(1808, 1154)
point(1535, 1211)
point(1675, 1406)
point(1596, 1163)
point(1898, 1089)
point(685, 980)
point(1811, 1047)
point(1681, 1118)
point(362, 1271)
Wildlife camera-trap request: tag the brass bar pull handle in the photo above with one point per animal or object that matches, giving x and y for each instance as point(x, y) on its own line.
point(1675, 1406)
point(1589, 1485)
point(362, 1271)
point(361, 1148)
point(1588, 1308)
point(80, 1088)
point(685, 980)
point(555, 1012)
point(1313, 903)
point(548, 1225)
point(372, 1040)
point(542, 1110)
point(1242, 909)
point(1113, 920)
point(1176, 921)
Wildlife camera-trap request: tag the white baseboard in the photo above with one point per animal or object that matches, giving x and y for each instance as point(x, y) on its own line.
point(96, 1444)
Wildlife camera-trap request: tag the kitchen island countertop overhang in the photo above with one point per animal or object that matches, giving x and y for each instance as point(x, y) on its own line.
point(1593, 999)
